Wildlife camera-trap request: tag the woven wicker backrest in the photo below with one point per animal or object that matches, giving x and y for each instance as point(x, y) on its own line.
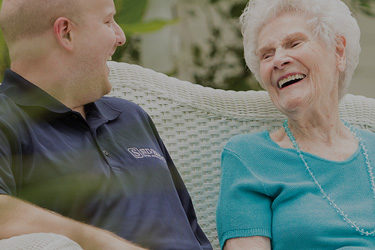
point(195, 122)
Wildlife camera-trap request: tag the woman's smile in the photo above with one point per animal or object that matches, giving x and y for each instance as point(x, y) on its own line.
point(290, 79)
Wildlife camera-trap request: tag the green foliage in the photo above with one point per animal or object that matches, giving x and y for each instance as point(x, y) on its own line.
point(223, 63)
point(130, 15)
point(364, 6)
point(4, 56)
point(146, 27)
point(237, 9)
point(130, 11)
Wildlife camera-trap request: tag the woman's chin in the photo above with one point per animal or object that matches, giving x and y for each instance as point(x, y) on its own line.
point(292, 99)
point(292, 105)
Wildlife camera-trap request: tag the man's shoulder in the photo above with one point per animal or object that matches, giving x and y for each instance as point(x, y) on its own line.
point(7, 105)
point(127, 109)
point(12, 118)
point(120, 104)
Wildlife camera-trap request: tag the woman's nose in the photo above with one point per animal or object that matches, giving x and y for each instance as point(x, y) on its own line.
point(280, 59)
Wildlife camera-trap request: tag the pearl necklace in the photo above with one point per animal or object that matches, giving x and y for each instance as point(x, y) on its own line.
point(325, 195)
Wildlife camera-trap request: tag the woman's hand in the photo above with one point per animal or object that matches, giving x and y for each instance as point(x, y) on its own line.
point(251, 243)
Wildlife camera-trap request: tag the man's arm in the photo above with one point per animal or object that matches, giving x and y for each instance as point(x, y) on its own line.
point(18, 217)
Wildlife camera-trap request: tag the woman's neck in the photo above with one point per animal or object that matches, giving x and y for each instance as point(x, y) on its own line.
point(320, 134)
point(317, 128)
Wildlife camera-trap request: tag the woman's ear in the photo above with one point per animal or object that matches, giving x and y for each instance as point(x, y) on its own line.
point(341, 53)
point(63, 32)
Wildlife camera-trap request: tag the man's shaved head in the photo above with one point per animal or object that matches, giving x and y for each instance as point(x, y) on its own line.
point(21, 19)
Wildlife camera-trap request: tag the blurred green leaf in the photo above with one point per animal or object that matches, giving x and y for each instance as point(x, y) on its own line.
point(130, 11)
point(367, 7)
point(237, 9)
point(146, 27)
point(4, 56)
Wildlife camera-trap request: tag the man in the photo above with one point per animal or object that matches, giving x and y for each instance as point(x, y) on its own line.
point(67, 149)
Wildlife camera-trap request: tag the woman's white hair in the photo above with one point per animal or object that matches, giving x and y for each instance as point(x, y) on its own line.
point(329, 19)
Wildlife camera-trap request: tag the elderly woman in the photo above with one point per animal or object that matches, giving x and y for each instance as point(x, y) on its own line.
point(309, 184)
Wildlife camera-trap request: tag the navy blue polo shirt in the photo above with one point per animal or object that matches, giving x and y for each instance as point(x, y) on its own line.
point(111, 170)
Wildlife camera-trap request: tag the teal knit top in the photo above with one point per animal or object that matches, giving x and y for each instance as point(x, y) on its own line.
point(267, 191)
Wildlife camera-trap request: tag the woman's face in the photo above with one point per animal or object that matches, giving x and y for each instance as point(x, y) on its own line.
point(297, 69)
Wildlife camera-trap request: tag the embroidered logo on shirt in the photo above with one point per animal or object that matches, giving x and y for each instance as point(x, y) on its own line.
point(140, 153)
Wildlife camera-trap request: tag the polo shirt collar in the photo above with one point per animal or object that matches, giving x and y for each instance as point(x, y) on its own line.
point(24, 93)
point(101, 110)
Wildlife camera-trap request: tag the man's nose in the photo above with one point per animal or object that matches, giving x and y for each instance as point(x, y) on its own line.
point(121, 38)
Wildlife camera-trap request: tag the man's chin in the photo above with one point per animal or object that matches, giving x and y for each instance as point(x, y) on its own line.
point(107, 87)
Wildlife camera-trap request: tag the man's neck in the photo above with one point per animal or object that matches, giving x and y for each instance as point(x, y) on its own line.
point(52, 82)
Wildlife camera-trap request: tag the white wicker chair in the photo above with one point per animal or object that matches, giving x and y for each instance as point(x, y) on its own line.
point(195, 122)
point(39, 241)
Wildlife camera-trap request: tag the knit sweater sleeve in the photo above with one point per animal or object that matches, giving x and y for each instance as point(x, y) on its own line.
point(244, 207)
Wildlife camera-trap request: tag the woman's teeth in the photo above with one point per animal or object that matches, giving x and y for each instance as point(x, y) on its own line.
point(290, 80)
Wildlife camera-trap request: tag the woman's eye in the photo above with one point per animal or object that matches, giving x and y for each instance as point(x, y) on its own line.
point(266, 56)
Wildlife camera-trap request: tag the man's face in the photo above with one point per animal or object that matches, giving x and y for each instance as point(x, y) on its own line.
point(96, 39)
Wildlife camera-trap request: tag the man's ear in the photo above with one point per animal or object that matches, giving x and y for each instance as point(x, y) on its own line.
point(63, 32)
point(341, 53)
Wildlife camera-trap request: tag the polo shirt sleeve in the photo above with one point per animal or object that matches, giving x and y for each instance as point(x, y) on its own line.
point(183, 194)
point(7, 180)
point(244, 208)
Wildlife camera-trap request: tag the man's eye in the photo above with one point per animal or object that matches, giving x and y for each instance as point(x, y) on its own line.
point(295, 44)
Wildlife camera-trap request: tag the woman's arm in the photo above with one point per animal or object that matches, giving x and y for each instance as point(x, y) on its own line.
point(244, 214)
point(253, 243)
